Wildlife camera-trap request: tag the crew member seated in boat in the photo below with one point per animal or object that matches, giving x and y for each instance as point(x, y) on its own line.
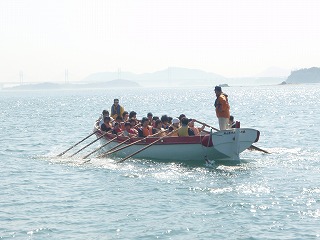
point(128, 131)
point(165, 121)
point(154, 119)
point(181, 116)
point(125, 116)
point(116, 109)
point(119, 120)
point(174, 126)
point(133, 115)
point(184, 130)
point(145, 130)
point(149, 116)
point(106, 126)
point(232, 123)
point(104, 114)
point(158, 129)
point(116, 129)
point(133, 124)
point(195, 129)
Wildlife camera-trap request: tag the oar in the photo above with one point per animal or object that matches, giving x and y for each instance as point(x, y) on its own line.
point(100, 147)
point(118, 149)
point(104, 146)
point(251, 147)
point(258, 149)
point(59, 155)
point(89, 144)
point(144, 148)
point(206, 125)
point(106, 153)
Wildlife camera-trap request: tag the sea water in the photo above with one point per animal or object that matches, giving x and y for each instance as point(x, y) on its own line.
point(272, 196)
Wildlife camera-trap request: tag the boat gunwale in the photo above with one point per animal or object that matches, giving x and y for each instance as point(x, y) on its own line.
point(166, 140)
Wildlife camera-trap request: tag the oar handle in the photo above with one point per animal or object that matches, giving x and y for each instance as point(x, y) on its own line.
point(206, 125)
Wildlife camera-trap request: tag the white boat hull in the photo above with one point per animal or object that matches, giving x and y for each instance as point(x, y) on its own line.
point(226, 146)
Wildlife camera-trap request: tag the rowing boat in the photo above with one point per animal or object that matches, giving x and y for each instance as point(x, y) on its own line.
point(225, 145)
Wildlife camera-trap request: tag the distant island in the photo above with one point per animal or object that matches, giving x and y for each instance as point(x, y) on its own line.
point(181, 77)
point(117, 83)
point(169, 77)
point(305, 75)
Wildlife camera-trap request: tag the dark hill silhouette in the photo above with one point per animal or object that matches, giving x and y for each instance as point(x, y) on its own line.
point(305, 75)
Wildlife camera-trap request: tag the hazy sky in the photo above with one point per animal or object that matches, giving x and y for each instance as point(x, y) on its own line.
point(229, 37)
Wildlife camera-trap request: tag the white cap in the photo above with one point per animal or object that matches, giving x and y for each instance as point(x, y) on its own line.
point(175, 120)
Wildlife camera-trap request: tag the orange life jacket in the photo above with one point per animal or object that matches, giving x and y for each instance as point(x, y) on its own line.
point(222, 106)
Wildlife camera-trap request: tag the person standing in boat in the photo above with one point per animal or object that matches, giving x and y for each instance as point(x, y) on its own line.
point(222, 108)
point(116, 109)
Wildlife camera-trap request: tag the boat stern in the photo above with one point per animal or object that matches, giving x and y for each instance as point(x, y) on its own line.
point(232, 142)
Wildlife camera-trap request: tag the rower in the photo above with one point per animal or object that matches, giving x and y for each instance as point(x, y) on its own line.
point(174, 126)
point(184, 130)
point(145, 129)
point(106, 126)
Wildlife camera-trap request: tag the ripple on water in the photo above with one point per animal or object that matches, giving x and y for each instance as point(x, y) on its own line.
point(273, 196)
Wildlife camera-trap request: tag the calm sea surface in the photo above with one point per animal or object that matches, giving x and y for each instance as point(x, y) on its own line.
point(275, 196)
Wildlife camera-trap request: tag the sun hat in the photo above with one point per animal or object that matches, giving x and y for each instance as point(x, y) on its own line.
point(175, 120)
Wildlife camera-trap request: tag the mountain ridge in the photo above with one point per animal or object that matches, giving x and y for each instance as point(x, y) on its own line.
point(172, 76)
point(305, 75)
point(179, 76)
